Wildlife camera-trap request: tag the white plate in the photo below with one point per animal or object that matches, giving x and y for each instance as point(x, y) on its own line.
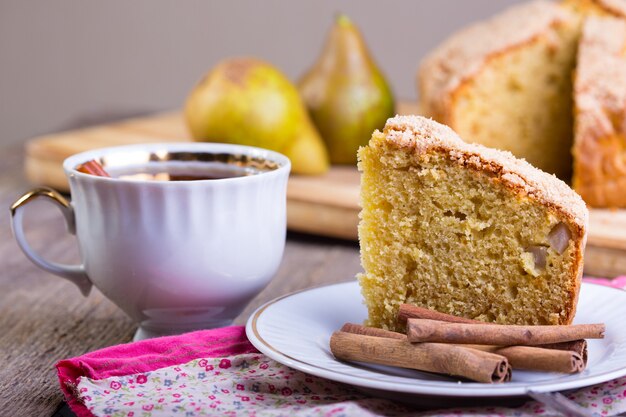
point(295, 330)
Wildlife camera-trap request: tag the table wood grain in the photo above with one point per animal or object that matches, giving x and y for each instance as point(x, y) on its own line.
point(44, 318)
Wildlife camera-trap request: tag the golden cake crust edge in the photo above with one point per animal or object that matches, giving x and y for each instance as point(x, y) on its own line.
point(600, 107)
point(515, 173)
point(423, 135)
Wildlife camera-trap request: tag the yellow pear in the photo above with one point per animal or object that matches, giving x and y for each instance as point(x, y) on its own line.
point(345, 92)
point(249, 102)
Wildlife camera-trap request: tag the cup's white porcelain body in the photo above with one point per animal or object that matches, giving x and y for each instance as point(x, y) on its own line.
point(179, 255)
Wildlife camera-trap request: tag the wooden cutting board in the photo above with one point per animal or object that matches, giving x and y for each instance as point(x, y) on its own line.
point(326, 205)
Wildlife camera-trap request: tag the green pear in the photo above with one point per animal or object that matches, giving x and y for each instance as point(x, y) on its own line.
point(345, 92)
point(249, 102)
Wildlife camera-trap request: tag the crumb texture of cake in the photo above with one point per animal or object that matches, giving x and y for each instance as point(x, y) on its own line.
point(600, 113)
point(506, 83)
point(465, 230)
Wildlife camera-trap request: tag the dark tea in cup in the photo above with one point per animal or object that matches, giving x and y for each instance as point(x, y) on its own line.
point(183, 166)
point(163, 172)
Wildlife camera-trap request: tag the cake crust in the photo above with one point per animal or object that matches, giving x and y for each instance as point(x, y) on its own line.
point(600, 122)
point(422, 135)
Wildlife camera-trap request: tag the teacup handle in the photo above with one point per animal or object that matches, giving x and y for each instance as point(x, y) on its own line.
point(73, 273)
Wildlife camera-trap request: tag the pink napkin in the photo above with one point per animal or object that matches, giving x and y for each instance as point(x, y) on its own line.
point(146, 356)
point(218, 372)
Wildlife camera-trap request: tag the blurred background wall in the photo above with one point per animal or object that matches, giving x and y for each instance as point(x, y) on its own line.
point(67, 59)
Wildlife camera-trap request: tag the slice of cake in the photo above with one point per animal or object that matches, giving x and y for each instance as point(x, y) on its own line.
point(465, 230)
point(506, 83)
point(600, 113)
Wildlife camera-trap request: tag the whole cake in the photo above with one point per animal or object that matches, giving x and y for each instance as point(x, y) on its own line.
point(506, 83)
point(600, 113)
point(465, 230)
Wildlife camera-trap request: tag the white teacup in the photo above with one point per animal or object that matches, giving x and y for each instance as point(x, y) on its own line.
point(179, 255)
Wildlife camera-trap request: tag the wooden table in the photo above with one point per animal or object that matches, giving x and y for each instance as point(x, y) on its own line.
point(44, 318)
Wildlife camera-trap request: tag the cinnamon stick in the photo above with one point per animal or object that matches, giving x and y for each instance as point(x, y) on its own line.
point(424, 330)
point(371, 331)
point(520, 357)
point(578, 346)
point(538, 359)
point(431, 357)
point(408, 311)
point(92, 167)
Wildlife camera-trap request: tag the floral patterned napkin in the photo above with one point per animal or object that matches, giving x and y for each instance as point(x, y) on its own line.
point(219, 373)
